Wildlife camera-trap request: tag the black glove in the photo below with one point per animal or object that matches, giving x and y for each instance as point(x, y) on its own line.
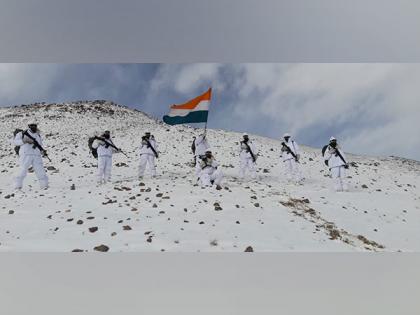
point(326, 162)
point(346, 166)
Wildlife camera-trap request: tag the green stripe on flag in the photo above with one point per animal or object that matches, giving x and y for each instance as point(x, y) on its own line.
point(199, 116)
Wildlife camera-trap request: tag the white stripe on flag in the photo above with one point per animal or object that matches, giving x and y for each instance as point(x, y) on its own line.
point(203, 105)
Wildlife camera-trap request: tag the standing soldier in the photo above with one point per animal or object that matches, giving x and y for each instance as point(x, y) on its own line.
point(105, 148)
point(209, 172)
point(148, 153)
point(291, 156)
point(31, 152)
point(335, 159)
point(201, 145)
point(247, 156)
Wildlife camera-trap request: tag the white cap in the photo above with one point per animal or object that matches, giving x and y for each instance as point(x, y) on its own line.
point(332, 139)
point(286, 135)
point(245, 134)
point(32, 122)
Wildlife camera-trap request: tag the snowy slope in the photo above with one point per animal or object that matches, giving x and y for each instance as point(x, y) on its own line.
point(171, 213)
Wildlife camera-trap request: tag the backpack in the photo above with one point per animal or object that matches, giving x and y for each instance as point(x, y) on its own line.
point(324, 148)
point(92, 150)
point(16, 148)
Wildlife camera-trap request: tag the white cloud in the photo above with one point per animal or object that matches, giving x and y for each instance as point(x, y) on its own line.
point(25, 83)
point(186, 78)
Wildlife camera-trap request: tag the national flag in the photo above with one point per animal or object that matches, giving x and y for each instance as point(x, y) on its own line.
point(194, 111)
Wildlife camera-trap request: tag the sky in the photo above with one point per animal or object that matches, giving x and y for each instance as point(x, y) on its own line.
point(372, 109)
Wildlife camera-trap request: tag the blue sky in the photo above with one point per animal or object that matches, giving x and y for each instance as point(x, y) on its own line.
point(372, 108)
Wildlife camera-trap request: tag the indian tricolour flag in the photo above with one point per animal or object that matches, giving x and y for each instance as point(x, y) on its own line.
point(194, 111)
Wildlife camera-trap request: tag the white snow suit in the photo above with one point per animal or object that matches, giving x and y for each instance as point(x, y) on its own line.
point(201, 146)
point(292, 170)
point(245, 159)
point(105, 153)
point(209, 172)
point(30, 156)
point(337, 167)
point(147, 157)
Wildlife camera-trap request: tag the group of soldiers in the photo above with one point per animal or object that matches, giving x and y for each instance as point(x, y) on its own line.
point(29, 146)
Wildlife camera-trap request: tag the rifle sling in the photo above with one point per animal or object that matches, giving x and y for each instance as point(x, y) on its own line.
point(36, 144)
point(290, 150)
point(249, 149)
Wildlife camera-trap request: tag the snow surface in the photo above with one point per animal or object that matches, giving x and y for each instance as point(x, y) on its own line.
point(172, 213)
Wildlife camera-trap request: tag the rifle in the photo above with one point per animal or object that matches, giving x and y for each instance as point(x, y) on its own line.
point(36, 144)
point(149, 145)
point(338, 153)
point(111, 145)
point(254, 159)
point(290, 151)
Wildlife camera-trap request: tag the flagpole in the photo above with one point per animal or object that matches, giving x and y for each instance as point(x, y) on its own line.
point(205, 125)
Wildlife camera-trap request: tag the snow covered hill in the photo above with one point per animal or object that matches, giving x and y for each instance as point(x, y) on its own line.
point(381, 212)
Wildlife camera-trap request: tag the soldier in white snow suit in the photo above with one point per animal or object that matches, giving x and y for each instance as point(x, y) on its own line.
point(105, 148)
point(247, 157)
point(291, 156)
point(201, 145)
point(31, 152)
point(148, 154)
point(209, 172)
point(335, 159)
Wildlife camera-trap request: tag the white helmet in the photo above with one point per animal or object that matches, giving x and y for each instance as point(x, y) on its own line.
point(245, 134)
point(286, 135)
point(333, 139)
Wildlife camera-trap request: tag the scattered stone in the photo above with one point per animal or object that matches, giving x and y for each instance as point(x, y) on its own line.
point(127, 228)
point(249, 249)
point(101, 248)
point(11, 212)
point(77, 250)
point(79, 222)
point(109, 202)
point(93, 229)
point(364, 186)
point(73, 187)
point(217, 206)
point(213, 243)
